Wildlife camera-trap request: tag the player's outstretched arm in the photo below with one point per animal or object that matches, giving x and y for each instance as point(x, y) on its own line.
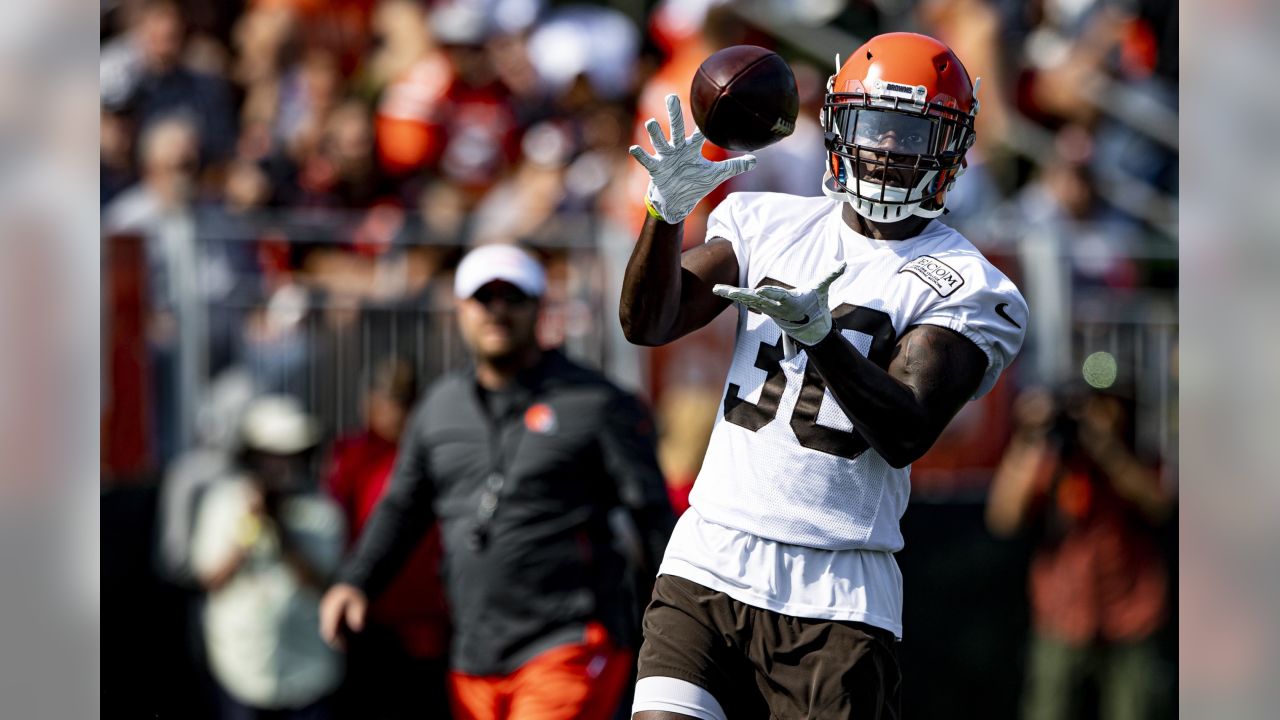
point(902, 411)
point(667, 294)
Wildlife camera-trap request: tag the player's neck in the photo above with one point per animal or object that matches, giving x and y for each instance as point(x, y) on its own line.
point(901, 230)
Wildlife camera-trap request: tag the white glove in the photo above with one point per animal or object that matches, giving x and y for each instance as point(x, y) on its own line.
point(802, 313)
point(678, 175)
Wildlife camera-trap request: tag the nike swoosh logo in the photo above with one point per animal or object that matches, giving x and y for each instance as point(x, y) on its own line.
point(1000, 311)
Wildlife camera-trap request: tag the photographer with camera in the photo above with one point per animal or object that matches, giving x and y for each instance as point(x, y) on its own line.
point(265, 544)
point(1098, 584)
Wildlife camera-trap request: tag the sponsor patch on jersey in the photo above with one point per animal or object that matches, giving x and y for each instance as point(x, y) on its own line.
point(936, 274)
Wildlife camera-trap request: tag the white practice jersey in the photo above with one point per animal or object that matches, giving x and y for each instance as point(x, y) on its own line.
point(784, 462)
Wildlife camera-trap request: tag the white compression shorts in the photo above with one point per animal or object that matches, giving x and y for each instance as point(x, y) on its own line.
point(677, 696)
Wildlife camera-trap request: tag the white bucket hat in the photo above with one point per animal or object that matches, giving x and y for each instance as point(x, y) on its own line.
point(278, 425)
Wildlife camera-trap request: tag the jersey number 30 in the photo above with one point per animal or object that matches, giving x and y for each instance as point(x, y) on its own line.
point(804, 418)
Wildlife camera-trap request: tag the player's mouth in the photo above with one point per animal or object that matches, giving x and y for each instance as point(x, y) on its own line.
point(884, 176)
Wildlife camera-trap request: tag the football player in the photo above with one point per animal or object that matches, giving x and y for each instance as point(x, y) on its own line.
point(864, 325)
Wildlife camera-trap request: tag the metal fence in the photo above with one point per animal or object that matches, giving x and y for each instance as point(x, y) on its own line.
point(298, 332)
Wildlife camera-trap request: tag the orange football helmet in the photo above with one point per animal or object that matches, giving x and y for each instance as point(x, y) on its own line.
point(898, 120)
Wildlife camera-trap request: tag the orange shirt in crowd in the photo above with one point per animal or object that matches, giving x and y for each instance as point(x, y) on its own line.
point(1101, 577)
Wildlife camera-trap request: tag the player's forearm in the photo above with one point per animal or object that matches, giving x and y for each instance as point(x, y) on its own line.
point(650, 305)
point(883, 410)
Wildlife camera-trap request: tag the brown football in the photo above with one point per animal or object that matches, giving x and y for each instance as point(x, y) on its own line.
point(744, 98)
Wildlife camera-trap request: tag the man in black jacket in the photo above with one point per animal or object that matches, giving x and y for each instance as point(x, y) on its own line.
point(520, 458)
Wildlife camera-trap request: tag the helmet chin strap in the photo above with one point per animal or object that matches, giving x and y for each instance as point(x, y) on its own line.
point(830, 190)
point(874, 211)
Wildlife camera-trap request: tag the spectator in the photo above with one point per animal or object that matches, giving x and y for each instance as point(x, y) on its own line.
point(274, 344)
point(416, 75)
point(396, 666)
point(480, 124)
point(261, 40)
point(521, 458)
point(192, 473)
point(231, 274)
point(1066, 243)
point(181, 493)
point(158, 208)
point(1098, 583)
point(143, 72)
point(516, 208)
point(115, 159)
point(265, 545)
point(168, 154)
point(308, 95)
point(340, 169)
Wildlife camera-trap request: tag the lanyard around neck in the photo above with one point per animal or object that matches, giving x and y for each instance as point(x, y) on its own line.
point(497, 484)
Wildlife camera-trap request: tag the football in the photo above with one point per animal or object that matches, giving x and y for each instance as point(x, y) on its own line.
point(744, 98)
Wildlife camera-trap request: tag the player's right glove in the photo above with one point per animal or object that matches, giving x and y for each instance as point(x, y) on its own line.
point(803, 313)
point(678, 175)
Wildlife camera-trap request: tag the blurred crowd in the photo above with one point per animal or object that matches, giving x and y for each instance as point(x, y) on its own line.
point(286, 156)
point(288, 185)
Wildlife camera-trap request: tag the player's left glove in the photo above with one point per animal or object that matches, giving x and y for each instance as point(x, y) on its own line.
point(679, 177)
point(803, 313)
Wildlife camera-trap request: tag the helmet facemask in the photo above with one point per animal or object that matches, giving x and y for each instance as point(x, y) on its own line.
point(894, 154)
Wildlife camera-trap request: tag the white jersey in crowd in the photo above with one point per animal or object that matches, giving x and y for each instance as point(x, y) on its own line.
point(792, 510)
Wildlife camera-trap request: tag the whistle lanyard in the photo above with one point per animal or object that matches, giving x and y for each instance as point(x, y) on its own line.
point(497, 480)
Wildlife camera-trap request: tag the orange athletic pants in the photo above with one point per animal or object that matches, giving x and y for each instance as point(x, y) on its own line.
point(582, 681)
